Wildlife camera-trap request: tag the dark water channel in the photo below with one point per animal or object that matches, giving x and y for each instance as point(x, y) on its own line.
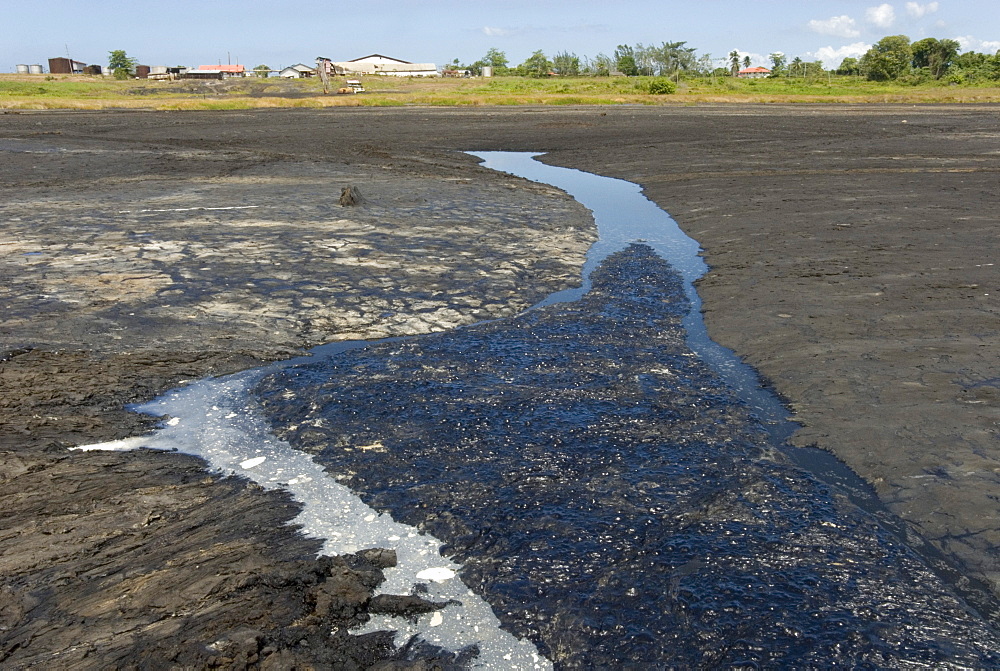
point(613, 482)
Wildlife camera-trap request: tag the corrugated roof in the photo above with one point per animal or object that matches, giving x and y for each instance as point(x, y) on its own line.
point(388, 58)
point(223, 68)
point(754, 70)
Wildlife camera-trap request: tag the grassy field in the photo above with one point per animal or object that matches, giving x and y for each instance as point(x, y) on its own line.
point(26, 92)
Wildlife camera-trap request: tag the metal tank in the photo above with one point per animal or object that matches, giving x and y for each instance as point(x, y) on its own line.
point(21, 69)
point(35, 69)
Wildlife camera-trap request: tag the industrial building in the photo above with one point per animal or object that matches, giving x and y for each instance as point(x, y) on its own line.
point(66, 66)
point(377, 64)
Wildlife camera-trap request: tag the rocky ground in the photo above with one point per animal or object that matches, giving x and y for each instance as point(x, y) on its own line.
point(851, 254)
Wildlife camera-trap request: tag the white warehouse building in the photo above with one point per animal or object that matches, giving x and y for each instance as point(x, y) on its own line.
point(377, 64)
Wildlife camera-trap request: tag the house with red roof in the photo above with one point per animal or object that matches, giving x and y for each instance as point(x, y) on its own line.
point(223, 70)
point(753, 73)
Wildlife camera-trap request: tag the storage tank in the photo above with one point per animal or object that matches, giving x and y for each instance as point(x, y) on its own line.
point(487, 70)
point(35, 69)
point(142, 71)
point(21, 69)
point(158, 70)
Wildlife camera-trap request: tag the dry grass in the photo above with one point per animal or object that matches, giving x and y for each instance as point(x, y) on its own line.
point(38, 92)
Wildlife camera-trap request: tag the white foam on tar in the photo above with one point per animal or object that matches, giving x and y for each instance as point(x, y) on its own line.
point(436, 574)
point(217, 419)
point(193, 209)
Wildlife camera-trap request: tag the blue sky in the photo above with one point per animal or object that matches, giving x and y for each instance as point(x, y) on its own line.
point(185, 32)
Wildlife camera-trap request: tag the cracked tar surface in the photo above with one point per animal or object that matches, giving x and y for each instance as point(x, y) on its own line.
point(851, 258)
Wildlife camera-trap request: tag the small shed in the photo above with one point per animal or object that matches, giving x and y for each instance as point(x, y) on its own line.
point(66, 66)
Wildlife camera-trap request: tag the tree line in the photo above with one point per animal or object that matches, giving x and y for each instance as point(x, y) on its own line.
point(667, 59)
point(893, 58)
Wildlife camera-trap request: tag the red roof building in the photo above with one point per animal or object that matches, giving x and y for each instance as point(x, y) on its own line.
point(753, 73)
point(231, 69)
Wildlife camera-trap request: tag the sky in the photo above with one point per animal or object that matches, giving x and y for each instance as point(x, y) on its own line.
point(191, 33)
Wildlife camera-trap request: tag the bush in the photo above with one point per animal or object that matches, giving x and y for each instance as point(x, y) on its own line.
point(660, 86)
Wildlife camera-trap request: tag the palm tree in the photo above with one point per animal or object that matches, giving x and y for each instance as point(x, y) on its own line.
point(746, 61)
point(797, 63)
point(734, 62)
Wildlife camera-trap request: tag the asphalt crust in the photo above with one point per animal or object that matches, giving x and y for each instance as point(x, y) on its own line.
point(128, 269)
point(850, 250)
point(611, 497)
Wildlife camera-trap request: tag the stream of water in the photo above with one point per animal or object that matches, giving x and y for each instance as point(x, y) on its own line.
point(222, 421)
point(623, 216)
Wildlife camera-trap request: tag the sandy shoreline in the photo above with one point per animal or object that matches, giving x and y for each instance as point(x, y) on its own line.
point(850, 250)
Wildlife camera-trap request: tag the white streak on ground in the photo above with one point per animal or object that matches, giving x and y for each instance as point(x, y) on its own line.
point(192, 209)
point(216, 419)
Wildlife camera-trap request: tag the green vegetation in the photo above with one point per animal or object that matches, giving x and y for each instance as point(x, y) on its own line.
point(934, 55)
point(121, 64)
point(81, 92)
point(893, 70)
point(61, 86)
point(892, 59)
point(566, 64)
point(625, 60)
point(537, 65)
point(660, 86)
point(896, 59)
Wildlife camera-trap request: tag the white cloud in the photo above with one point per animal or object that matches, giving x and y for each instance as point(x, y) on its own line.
point(918, 11)
point(491, 31)
point(970, 43)
point(757, 60)
point(882, 16)
point(832, 57)
point(840, 26)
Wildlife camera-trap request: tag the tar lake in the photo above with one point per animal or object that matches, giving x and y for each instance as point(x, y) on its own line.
point(591, 484)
